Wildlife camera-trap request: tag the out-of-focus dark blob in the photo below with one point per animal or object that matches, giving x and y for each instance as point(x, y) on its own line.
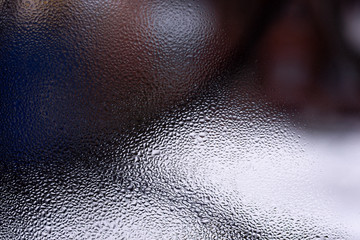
point(309, 56)
point(75, 69)
point(290, 53)
point(147, 55)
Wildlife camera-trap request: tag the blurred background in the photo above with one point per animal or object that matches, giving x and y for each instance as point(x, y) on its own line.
point(310, 55)
point(179, 119)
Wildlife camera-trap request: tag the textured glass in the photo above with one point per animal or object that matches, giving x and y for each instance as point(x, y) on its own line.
point(136, 120)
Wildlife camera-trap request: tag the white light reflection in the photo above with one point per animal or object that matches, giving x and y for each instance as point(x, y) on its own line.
point(272, 169)
point(339, 162)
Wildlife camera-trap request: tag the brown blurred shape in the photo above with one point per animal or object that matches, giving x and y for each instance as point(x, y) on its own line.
point(305, 61)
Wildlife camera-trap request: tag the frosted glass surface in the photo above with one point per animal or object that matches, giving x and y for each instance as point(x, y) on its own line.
point(129, 120)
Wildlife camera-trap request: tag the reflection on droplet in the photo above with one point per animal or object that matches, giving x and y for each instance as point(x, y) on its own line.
point(155, 152)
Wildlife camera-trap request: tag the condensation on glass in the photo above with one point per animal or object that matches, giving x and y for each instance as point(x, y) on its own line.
point(130, 120)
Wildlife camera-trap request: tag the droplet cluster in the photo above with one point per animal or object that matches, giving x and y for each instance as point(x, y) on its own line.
point(83, 157)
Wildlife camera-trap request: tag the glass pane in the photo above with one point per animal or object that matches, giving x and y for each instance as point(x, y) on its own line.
point(201, 119)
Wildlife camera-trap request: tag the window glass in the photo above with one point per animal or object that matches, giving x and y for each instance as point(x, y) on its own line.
point(179, 119)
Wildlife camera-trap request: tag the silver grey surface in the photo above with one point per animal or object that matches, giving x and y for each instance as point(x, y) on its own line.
point(222, 164)
point(226, 166)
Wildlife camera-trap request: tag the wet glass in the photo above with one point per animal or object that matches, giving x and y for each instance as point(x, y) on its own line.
point(181, 119)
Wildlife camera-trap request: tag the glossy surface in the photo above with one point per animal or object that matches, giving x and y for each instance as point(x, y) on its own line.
point(132, 120)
